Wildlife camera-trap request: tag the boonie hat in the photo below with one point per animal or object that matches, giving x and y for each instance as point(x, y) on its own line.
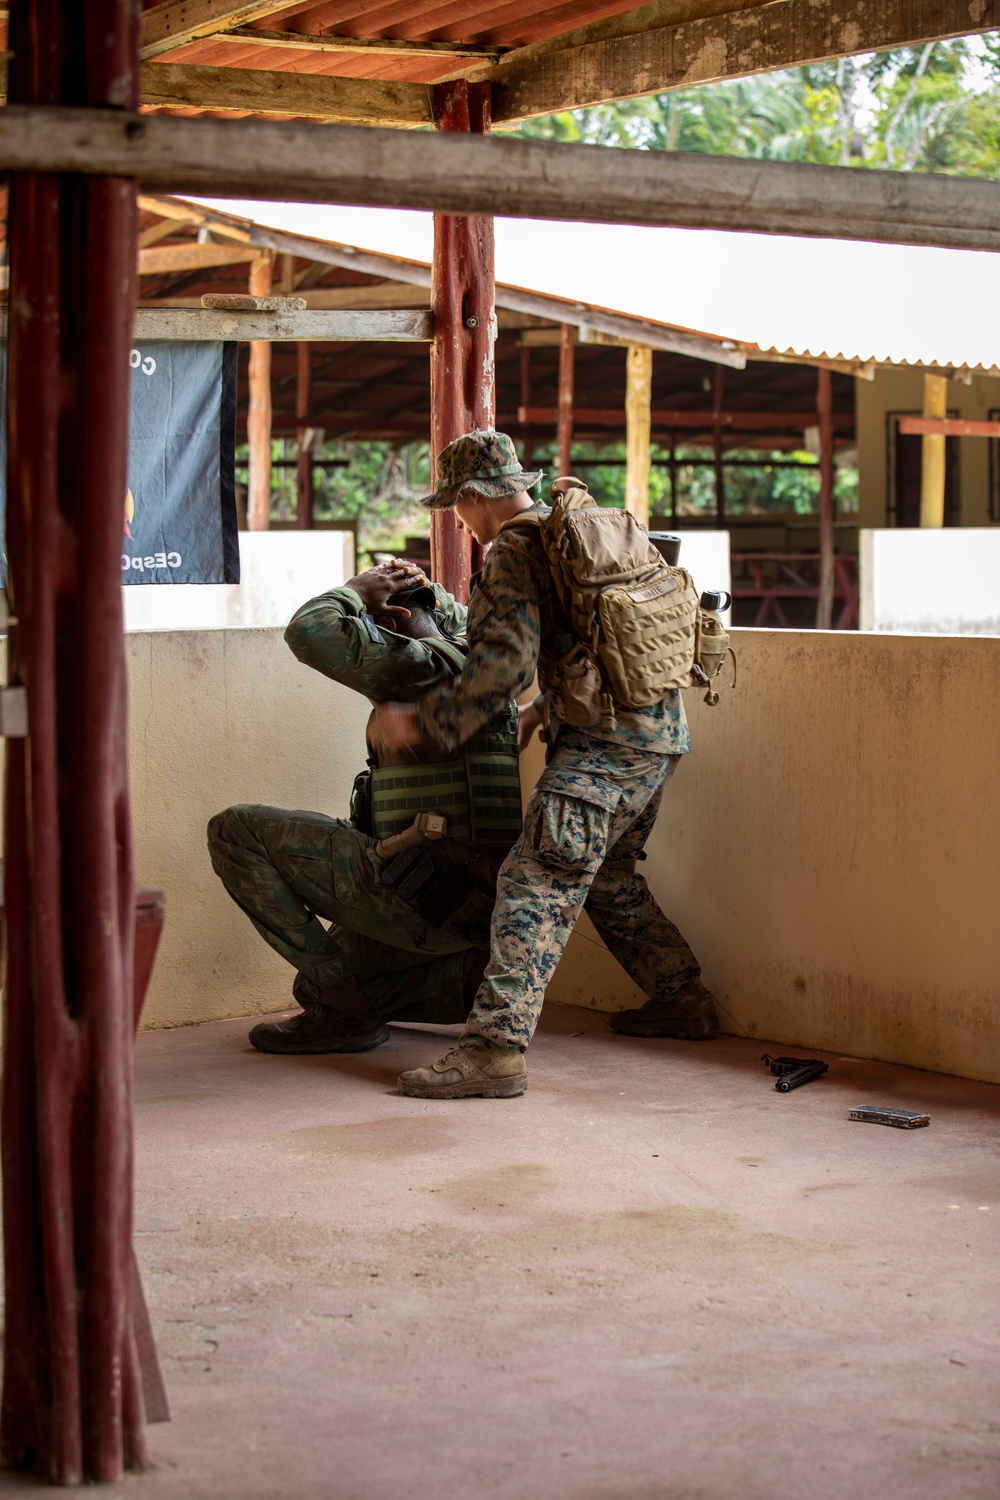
point(486, 462)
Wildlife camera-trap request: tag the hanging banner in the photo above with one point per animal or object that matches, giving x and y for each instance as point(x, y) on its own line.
point(180, 508)
point(179, 523)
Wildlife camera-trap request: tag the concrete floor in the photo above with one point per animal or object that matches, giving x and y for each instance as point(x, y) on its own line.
point(650, 1278)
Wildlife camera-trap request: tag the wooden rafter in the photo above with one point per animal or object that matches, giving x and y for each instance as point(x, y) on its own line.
point(609, 61)
point(298, 41)
point(458, 174)
point(163, 258)
point(177, 22)
point(302, 95)
point(382, 325)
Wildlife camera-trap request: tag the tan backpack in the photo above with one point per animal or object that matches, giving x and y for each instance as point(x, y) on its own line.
point(636, 629)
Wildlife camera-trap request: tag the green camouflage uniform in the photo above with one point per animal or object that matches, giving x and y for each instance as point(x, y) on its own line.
point(587, 819)
point(288, 869)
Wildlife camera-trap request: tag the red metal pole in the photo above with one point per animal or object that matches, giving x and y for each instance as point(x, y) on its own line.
point(72, 1403)
point(303, 465)
point(463, 392)
point(824, 409)
point(564, 418)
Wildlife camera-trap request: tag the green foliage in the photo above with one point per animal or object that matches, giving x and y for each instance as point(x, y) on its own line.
point(379, 484)
point(756, 484)
point(933, 108)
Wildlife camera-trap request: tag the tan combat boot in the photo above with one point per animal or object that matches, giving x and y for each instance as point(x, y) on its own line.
point(466, 1072)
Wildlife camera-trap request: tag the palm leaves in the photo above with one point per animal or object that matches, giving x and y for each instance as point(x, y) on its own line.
point(933, 108)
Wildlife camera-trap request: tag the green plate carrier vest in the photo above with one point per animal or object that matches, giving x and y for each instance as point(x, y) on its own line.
point(479, 791)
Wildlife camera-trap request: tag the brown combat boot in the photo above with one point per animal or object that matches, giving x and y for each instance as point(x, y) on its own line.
point(467, 1072)
point(689, 1015)
point(344, 1021)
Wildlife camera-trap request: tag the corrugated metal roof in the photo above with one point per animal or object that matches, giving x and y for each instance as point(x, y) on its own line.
point(852, 303)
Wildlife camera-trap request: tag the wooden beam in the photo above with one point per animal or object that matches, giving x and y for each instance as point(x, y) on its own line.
point(202, 324)
point(255, 92)
point(710, 48)
point(718, 391)
point(190, 257)
point(827, 509)
point(946, 427)
point(564, 411)
point(303, 433)
point(699, 421)
point(638, 396)
point(388, 294)
point(452, 173)
point(157, 232)
point(299, 41)
point(933, 452)
point(178, 22)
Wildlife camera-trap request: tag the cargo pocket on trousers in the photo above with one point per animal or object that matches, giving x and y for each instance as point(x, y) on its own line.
point(566, 833)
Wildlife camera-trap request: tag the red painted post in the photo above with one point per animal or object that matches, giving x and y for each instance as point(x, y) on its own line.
point(303, 463)
point(824, 411)
point(564, 417)
point(462, 295)
point(259, 407)
point(72, 1403)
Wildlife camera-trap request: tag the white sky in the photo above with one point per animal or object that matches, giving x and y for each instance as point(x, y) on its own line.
point(857, 300)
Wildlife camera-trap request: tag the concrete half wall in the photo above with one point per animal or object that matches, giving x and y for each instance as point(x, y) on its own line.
point(829, 849)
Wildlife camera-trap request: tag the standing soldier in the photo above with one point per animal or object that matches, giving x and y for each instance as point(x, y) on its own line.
point(588, 817)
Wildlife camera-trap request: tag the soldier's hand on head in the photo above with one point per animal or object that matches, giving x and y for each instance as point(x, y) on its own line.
point(376, 586)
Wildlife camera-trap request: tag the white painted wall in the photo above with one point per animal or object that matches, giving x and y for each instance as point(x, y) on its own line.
point(931, 582)
point(829, 848)
point(279, 570)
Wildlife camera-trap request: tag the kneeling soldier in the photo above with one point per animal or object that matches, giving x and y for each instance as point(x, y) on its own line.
point(413, 951)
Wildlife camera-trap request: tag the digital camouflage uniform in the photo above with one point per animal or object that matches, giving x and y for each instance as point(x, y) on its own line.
point(287, 869)
point(588, 817)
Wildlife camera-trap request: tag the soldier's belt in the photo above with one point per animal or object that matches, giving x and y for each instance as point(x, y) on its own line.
point(479, 794)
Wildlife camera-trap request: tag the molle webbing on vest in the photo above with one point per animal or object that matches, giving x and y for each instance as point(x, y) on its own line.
point(479, 792)
point(400, 792)
point(495, 795)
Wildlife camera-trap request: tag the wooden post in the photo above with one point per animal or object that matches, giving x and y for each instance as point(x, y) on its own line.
point(564, 417)
point(526, 404)
point(933, 454)
point(673, 477)
point(463, 389)
point(638, 402)
point(259, 407)
point(824, 411)
point(303, 463)
point(719, 388)
point(72, 1404)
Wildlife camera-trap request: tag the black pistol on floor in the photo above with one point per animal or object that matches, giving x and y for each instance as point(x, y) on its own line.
point(793, 1072)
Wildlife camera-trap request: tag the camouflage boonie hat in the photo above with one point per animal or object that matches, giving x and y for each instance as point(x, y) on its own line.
point(482, 461)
